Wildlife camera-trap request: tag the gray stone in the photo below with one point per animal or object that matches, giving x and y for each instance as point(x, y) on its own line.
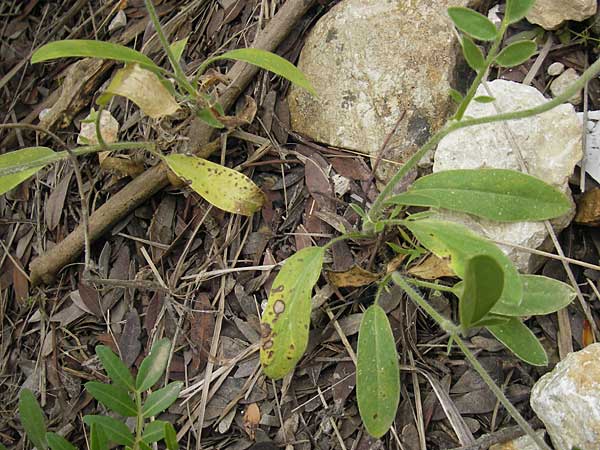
point(556, 68)
point(371, 61)
point(567, 400)
point(550, 14)
point(563, 82)
point(550, 144)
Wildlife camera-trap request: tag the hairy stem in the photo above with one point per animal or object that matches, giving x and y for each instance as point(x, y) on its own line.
point(426, 284)
point(453, 331)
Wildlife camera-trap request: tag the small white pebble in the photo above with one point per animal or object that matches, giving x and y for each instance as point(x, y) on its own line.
point(119, 21)
point(555, 69)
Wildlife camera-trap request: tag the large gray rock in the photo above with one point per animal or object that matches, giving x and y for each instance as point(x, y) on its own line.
point(370, 61)
point(550, 14)
point(567, 400)
point(550, 144)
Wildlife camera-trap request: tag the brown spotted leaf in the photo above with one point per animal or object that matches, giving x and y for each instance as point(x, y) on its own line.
point(285, 321)
point(227, 189)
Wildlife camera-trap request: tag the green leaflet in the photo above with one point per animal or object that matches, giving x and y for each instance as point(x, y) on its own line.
point(113, 397)
point(286, 319)
point(28, 155)
point(116, 370)
point(472, 23)
point(377, 372)
point(483, 284)
point(227, 189)
point(496, 194)
point(458, 242)
point(521, 341)
point(517, 9)
point(32, 419)
point(56, 442)
point(516, 53)
point(113, 429)
point(473, 55)
point(161, 399)
point(153, 366)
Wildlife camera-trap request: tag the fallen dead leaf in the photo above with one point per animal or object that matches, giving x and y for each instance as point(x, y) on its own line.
point(354, 277)
point(588, 208)
point(251, 420)
point(432, 268)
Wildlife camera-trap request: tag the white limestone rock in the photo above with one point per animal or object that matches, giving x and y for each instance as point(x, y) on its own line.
point(371, 61)
point(522, 443)
point(550, 144)
point(567, 400)
point(550, 14)
point(555, 69)
point(563, 82)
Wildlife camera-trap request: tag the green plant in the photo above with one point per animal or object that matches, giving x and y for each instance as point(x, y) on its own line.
point(491, 293)
point(150, 87)
point(125, 396)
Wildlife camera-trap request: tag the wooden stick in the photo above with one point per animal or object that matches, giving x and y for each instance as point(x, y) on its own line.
point(47, 265)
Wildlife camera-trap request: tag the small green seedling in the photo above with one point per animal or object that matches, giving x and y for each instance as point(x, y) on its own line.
point(126, 395)
point(491, 293)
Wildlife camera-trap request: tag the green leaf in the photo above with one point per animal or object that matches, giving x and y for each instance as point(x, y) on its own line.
point(460, 244)
point(484, 99)
point(32, 419)
point(473, 54)
point(521, 341)
point(57, 442)
point(286, 319)
point(154, 431)
point(161, 399)
point(98, 439)
point(15, 176)
point(113, 397)
point(496, 194)
point(483, 284)
point(413, 198)
point(2, 447)
point(153, 366)
point(178, 47)
point(115, 368)
point(114, 430)
point(517, 9)
point(92, 49)
point(472, 23)
point(170, 437)
point(541, 295)
point(377, 372)
point(227, 189)
point(516, 53)
point(456, 96)
point(268, 61)
point(207, 116)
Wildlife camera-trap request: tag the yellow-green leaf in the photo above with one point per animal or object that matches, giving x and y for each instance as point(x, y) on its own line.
point(286, 319)
point(516, 53)
point(377, 372)
point(521, 341)
point(145, 89)
point(9, 165)
point(473, 23)
point(228, 189)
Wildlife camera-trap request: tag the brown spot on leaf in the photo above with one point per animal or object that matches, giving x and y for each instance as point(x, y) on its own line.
point(279, 307)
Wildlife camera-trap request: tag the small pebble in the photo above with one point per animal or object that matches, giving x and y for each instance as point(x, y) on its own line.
point(555, 69)
point(562, 82)
point(119, 21)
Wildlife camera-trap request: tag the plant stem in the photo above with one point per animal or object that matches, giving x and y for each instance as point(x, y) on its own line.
point(452, 330)
point(378, 205)
point(180, 75)
point(345, 237)
point(426, 284)
point(139, 426)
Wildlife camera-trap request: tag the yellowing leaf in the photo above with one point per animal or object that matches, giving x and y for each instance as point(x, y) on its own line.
point(354, 277)
point(285, 321)
point(228, 189)
point(144, 89)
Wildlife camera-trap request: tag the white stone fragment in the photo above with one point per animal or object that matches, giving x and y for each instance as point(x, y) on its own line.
point(556, 68)
point(341, 185)
point(563, 82)
point(567, 400)
point(119, 21)
point(550, 144)
point(109, 128)
point(371, 62)
point(494, 17)
point(522, 443)
point(550, 14)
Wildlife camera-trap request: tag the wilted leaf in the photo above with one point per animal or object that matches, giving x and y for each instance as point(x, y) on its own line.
point(113, 429)
point(285, 321)
point(161, 399)
point(473, 54)
point(268, 61)
point(92, 49)
point(516, 53)
point(541, 295)
point(153, 366)
point(377, 372)
point(143, 88)
point(473, 23)
point(458, 242)
point(483, 284)
point(521, 341)
point(517, 9)
point(227, 189)
point(496, 194)
point(356, 276)
point(11, 175)
point(32, 419)
point(113, 397)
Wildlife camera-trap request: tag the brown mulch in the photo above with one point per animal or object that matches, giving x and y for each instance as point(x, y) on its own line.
point(183, 270)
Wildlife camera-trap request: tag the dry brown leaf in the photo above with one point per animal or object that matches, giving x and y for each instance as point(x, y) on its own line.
point(55, 205)
point(202, 321)
point(251, 420)
point(354, 277)
point(432, 268)
point(244, 117)
point(588, 208)
point(396, 262)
